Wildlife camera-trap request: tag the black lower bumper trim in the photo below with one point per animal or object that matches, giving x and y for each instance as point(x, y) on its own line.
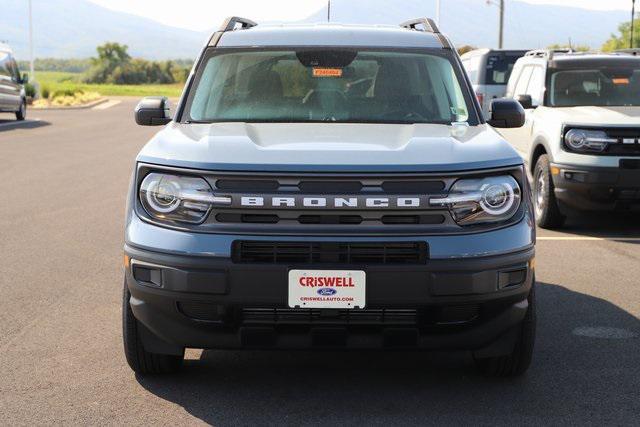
point(446, 304)
point(597, 188)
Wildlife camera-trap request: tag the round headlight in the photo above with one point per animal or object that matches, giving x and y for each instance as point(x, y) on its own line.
point(497, 198)
point(162, 194)
point(176, 198)
point(576, 138)
point(484, 200)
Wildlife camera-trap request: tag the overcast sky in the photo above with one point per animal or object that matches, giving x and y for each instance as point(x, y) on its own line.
point(180, 13)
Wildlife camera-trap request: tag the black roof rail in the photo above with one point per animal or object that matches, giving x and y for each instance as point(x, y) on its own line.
point(428, 24)
point(547, 53)
point(231, 23)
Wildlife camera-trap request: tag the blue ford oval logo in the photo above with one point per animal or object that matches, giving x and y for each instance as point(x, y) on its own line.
point(327, 292)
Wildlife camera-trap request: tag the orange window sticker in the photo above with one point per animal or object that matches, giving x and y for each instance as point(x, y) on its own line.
point(620, 81)
point(327, 72)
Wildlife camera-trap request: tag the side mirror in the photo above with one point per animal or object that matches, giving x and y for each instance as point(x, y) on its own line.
point(525, 101)
point(153, 111)
point(506, 113)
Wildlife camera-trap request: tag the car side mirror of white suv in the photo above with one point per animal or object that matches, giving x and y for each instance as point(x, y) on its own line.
point(525, 101)
point(506, 113)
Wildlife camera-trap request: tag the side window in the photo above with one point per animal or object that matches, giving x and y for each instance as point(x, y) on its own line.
point(13, 68)
point(4, 62)
point(523, 81)
point(536, 86)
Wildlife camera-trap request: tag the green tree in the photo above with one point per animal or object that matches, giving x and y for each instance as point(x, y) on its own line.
point(115, 65)
point(111, 56)
point(621, 40)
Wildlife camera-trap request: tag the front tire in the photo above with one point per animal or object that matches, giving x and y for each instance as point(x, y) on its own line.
point(548, 213)
point(141, 361)
point(518, 361)
point(21, 114)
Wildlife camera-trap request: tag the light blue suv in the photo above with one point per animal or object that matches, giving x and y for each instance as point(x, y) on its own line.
point(329, 187)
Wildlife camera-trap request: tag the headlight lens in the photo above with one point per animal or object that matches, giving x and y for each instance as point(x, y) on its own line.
point(485, 200)
point(178, 198)
point(588, 140)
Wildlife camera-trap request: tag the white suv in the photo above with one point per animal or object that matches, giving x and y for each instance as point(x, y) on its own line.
point(582, 130)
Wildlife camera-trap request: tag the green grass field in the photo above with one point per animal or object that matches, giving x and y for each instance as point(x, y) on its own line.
point(60, 80)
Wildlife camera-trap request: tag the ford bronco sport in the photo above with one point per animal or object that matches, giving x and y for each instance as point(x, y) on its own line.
point(329, 187)
point(582, 131)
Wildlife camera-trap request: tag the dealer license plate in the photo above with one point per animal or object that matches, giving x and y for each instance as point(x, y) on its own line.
point(327, 289)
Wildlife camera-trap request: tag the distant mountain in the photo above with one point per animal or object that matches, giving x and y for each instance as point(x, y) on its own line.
point(73, 29)
point(476, 23)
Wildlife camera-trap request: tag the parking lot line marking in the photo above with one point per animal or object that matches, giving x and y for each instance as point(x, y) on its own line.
point(589, 238)
point(108, 104)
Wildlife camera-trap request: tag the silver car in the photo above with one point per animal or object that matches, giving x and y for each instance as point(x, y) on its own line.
point(13, 98)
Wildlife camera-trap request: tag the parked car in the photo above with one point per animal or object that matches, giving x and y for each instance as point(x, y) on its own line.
point(581, 132)
point(13, 98)
point(329, 187)
point(489, 71)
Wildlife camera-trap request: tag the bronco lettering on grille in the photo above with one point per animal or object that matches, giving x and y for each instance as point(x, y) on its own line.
point(341, 202)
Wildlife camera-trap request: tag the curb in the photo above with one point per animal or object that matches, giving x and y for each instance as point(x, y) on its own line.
point(75, 107)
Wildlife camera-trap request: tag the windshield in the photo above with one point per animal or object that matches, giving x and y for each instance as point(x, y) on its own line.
point(327, 85)
point(598, 87)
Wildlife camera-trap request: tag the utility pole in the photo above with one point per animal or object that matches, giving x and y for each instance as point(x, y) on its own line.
point(500, 4)
point(329, 11)
point(633, 18)
point(501, 32)
point(32, 74)
point(438, 12)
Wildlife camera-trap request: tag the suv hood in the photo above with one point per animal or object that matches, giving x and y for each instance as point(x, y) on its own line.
point(599, 115)
point(328, 147)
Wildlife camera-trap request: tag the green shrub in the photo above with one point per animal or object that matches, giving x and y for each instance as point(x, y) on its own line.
point(30, 90)
point(45, 92)
point(66, 92)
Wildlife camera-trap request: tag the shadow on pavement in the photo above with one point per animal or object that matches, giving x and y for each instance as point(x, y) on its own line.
point(574, 378)
point(612, 224)
point(6, 125)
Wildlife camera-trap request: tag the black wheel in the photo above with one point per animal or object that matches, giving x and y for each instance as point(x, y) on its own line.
point(21, 114)
point(547, 211)
point(516, 363)
point(141, 361)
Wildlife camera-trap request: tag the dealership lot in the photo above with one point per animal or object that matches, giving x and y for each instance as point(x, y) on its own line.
point(64, 177)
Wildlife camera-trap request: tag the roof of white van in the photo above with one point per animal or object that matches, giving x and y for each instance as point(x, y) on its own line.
point(330, 34)
point(5, 47)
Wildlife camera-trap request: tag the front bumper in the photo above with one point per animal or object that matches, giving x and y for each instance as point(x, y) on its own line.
point(598, 188)
point(211, 302)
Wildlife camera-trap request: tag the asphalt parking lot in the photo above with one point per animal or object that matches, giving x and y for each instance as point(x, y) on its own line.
point(63, 180)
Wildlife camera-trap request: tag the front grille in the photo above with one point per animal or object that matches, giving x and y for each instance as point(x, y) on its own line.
point(329, 253)
point(423, 317)
point(275, 316)
point(289, 316)
point(290, 214)
point(238, 218)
